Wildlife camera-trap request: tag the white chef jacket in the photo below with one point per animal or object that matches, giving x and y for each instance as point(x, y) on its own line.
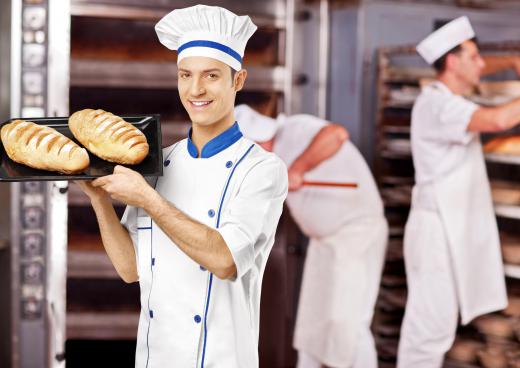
point(190, 318)
point(439, 132)
point(323, 211)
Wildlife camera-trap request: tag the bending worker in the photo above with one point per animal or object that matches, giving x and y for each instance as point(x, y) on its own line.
point(348, 236)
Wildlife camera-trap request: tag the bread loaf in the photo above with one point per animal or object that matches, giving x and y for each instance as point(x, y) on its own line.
point(108, 136)
point(504, 145)
point(42, 147)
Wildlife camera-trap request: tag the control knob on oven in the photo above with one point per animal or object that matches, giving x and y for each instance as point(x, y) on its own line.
point(33, 218)
point(32, 273)
point(34, 17)
point(32, 245)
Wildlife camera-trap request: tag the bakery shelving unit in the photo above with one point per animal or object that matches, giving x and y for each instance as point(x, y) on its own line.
point(400, 72)
point(397, 88)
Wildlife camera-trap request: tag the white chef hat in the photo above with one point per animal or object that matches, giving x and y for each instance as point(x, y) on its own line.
point(209, 31)
point(445, 38)
point(255, 126)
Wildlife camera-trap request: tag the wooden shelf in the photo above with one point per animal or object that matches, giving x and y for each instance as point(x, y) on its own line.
point(87, 259)
point(512, 271)
point(512, 212)
point(90, 264)
point(396, 231)
point(408, 75)
point(503, 159)
point(396, 180)
point(152, 14)
point(396, 129)
point(115, 325)
point(450, 363)
point(157, 75)
point(396, 155)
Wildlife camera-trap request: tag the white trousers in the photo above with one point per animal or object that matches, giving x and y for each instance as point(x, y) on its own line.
point(431, 315)
point(365, 356)
point(339, 291)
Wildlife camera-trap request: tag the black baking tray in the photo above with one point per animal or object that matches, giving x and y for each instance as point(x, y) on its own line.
point(151, 166)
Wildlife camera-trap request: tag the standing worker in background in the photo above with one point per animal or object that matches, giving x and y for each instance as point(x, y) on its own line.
point(214, 212)
point(348, 236)
point(451, 244)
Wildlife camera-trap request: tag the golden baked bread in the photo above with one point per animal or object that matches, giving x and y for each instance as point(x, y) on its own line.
point(505, 145)
point(108, 136)
point(42, 147)
point(504, 192)
point(494, 325)
point(510, 88)
point(465, 350)
point(513, 310)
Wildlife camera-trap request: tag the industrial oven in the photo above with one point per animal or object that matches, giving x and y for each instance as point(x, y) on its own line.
point(33, 224)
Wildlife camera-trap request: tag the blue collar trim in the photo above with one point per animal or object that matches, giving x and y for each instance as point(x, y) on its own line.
point(217, 144)
point(211, 44)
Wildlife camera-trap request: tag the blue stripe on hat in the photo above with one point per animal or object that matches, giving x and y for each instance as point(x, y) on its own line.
point(214, 45)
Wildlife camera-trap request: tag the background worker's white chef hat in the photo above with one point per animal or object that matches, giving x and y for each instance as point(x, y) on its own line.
point(445, 38)
point(255, 126)
point(209, 31)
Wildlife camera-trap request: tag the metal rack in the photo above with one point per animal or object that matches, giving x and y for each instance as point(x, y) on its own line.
point(33, 224)
point(398, 81)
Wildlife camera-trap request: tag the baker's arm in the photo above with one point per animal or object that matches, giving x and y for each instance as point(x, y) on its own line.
point(324, 145)
point(201, 243)
point(115, 237)
point(495, 119)
point(498, 63)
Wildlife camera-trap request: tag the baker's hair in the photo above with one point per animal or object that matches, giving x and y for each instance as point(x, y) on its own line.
point(440, 64)
point(233, 72)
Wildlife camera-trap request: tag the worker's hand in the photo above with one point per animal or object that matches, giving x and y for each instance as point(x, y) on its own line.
point(92, 192)
point(125, 185)
point(295, 179)
point(516, 65)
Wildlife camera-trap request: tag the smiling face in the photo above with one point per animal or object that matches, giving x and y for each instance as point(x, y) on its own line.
point(207, 90)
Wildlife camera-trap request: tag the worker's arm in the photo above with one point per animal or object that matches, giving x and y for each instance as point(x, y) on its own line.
point(495, 119)
point(116, 240)
point(324, 145)
point(201, 243)
point(498, 63)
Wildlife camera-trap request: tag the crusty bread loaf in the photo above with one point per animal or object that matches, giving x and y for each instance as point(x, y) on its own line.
point(42, 147)
point(108, 136)
point(505, 145)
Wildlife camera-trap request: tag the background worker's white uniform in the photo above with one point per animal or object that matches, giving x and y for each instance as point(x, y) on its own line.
point(348, 236)
point(451, 244)
point(189, 318)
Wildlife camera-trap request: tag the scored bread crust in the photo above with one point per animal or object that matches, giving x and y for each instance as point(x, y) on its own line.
point(42, 147)
point(505, 145)
point(108, 136)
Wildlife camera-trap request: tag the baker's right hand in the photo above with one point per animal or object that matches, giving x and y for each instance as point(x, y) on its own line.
point(91, 191)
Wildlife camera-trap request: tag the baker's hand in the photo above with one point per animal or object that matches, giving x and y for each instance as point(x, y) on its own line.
point(92, 192)
point(516, 64)
point(295, 179)
point(125, 185)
